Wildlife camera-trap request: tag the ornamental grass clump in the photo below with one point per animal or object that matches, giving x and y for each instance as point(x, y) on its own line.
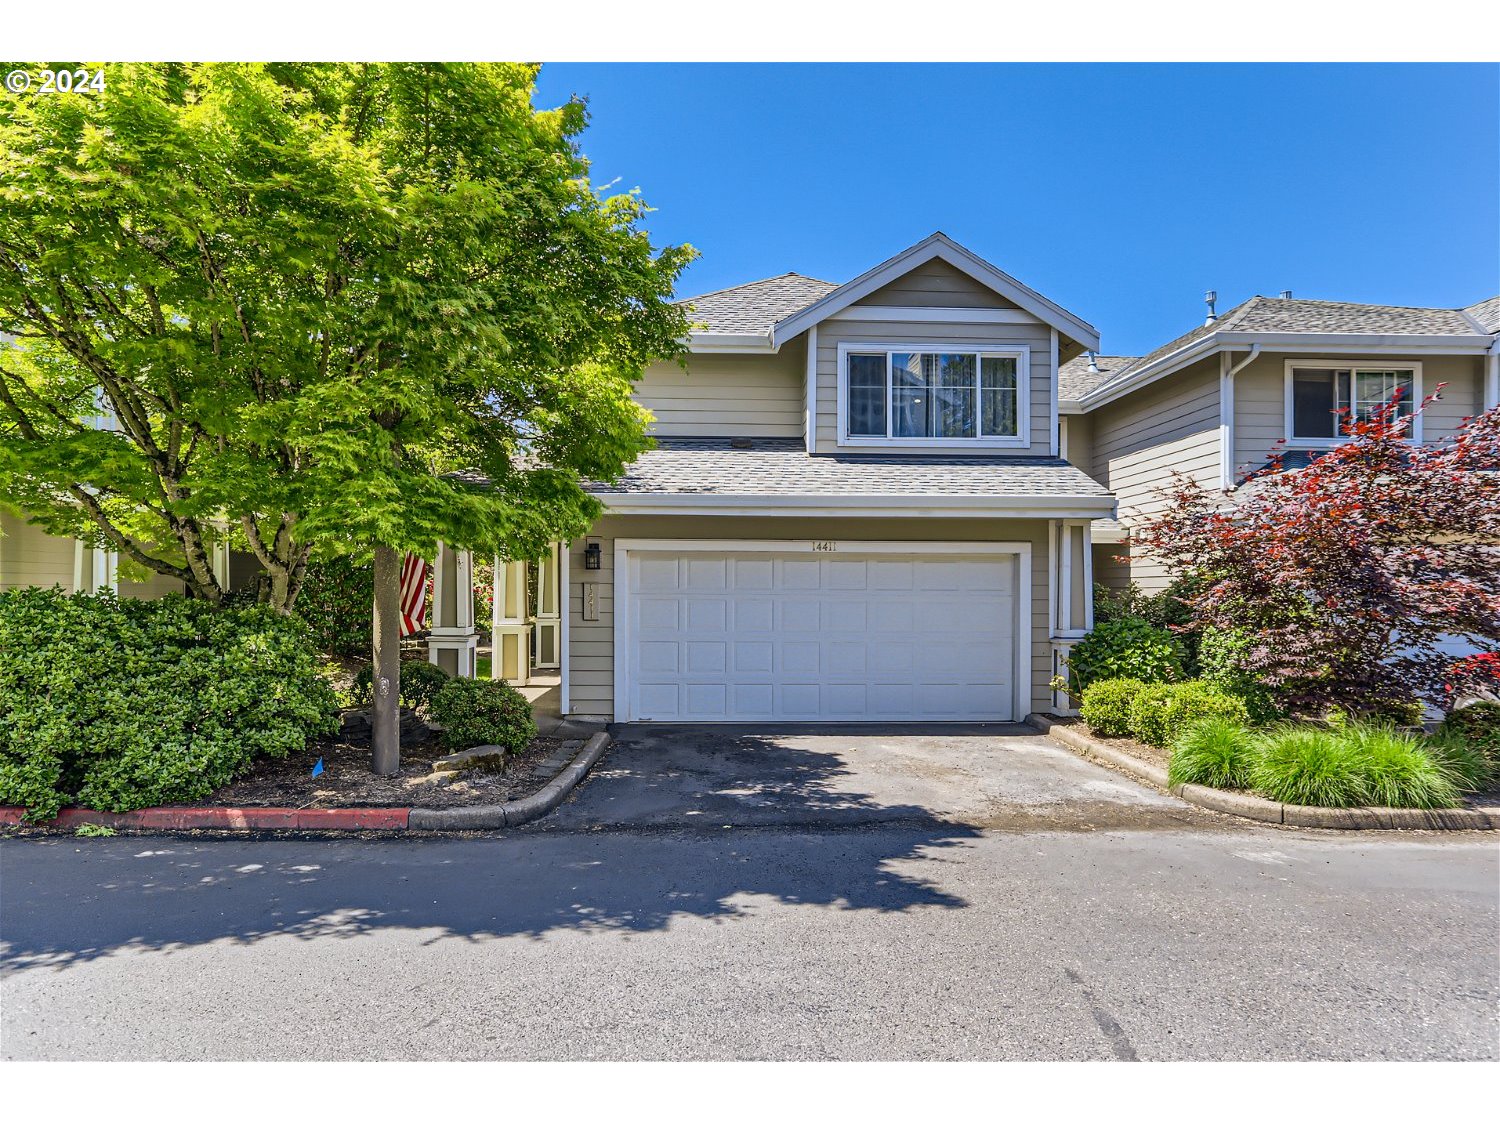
point(1300, 764)
point(1214, 751)
point(1399, 773)
point(1469, 768)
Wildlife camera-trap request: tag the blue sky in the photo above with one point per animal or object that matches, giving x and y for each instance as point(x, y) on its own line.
point(1120, 191)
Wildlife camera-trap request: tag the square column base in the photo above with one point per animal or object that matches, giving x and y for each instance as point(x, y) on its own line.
point(455, 651)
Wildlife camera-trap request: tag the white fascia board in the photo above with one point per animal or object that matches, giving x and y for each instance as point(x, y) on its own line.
point(1069, 406)
point(941, 246)
point(730, 343)
point(724, 504)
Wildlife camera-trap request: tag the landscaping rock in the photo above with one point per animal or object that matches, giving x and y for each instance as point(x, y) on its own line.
point(414, 731)
point(478, 757)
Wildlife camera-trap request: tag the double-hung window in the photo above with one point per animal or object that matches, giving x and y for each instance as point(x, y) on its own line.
point(1322, 396)
point(940, 396)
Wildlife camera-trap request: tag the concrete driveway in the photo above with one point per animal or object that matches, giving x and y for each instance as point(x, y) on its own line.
point(985, 776)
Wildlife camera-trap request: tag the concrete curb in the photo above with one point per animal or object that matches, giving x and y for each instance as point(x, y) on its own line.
point(169, 819)
point(1258, 808)
point(513, 813)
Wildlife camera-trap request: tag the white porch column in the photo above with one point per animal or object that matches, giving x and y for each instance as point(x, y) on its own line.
point(510, 627)
point(94, 569)
point(548, 615)
point(1070, 595)
point(453, 642)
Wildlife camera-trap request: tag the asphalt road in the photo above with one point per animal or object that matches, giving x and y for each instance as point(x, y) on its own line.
point(904, 939)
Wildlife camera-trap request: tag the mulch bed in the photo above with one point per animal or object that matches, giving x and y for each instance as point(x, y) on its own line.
point(346, 780)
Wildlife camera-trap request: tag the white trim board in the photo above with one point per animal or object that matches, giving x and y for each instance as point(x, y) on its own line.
point(929, 314)
point(1021, 668)
point(910, 505)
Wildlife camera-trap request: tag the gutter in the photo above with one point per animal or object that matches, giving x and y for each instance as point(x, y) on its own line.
point(864, 505)
point(1492, 376)
point(1226, 416)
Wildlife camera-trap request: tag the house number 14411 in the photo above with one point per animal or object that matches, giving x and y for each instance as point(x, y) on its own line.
point(825, 546)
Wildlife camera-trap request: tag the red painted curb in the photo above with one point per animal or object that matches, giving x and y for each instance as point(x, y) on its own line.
point(222, 818)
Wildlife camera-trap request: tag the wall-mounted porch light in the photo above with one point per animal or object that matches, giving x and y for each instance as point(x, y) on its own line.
point(593, 555)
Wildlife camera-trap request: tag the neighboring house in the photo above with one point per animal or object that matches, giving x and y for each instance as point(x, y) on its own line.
point(888, 500)
point(1213, 403)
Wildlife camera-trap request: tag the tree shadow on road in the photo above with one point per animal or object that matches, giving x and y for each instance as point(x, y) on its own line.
point(68, 900)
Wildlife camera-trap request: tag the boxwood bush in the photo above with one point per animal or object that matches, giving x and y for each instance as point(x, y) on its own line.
point(1129, 648)
point(420, 681)
point(483, 713)
point(116, 704)
point(1106, 704)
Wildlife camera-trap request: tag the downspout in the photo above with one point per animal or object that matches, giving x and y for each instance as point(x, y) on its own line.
point(1492, 376)
point(1226, 413)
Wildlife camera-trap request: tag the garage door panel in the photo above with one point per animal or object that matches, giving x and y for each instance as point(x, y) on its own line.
point(735, 637)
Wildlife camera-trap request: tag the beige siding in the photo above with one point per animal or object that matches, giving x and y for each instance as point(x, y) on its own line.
point(936, 284)
point(1260, 400)
point(1081, 441)
point(1035, 336)
point(31, 557)
point(1108, 571)
point(728, 395)
point(1140, 440)
point(591, 683)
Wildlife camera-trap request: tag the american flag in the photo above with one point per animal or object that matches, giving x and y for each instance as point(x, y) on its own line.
point(413, 594)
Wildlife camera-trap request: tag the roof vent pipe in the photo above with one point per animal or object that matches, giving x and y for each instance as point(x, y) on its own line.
point(1211, 297)
point(1093, 364)
point(1286, 294)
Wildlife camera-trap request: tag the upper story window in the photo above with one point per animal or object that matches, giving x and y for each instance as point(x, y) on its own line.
point(905, 395)
point(1318, 391)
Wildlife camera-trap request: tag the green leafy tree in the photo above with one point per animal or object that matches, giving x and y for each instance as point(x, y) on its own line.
point(317, 307)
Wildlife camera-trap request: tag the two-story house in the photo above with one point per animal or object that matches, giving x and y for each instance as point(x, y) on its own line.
point(857, 509)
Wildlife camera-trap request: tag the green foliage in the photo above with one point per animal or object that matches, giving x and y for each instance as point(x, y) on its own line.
point(1192, 700)
point(310, 292)
point(1301, 764)
point(336, 599)
point(1469, 768)
point(1149, 720)
point(1221, 655)
point(1165, 609)
point(483, 713)
point(88, 830)
point(1130, 648)
point(1399, 770)
point(1105, 706)
point(118, 704)
point(420, 681)
point(1215, 751)
point(1478, 725)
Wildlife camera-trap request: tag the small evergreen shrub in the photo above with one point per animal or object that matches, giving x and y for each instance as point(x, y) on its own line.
point(1149, 719)
point(1105, 706)
point(1192, 700)
point(1215, 751)
point(117, 704)
point(1220, 652)
point(483, 713)
point(1478, 725)
point(1129, 648)
point(420, 681)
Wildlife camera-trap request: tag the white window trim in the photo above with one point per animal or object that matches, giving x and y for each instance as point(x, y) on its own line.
point(1351, 364)
point(623, 592)
point(1019, 352)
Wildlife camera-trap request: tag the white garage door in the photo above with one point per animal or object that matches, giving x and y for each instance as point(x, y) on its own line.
point(802, 636)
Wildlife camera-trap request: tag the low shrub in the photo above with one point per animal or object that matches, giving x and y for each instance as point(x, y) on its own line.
point(1105, 706)
point(1149, 721)
point(420, 681)
point(1478, 725)
point(483, 713)
point(1398, 770)
point(1193, 700)
point(1220, 652)
point(1215, 751)
point(117, 704)
point(1301, 764)
point(1165, 609)
point(1128, 648)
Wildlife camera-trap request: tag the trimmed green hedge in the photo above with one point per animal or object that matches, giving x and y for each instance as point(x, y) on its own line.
point(1105, 706)
point(117, 704)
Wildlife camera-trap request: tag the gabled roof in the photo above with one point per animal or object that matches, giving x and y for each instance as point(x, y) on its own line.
point(1296, 322)
point(755, 306)
point(937, 245)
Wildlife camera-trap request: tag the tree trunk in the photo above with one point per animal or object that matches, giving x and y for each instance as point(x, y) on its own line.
point(385, 717)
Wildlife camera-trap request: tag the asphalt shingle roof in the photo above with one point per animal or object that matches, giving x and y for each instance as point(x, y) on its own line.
point(1074, 379)
point(1487, 313)
point(756, 305)
point(783, 467)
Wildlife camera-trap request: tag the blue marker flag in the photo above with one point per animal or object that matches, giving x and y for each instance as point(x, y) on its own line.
point(317, 769)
